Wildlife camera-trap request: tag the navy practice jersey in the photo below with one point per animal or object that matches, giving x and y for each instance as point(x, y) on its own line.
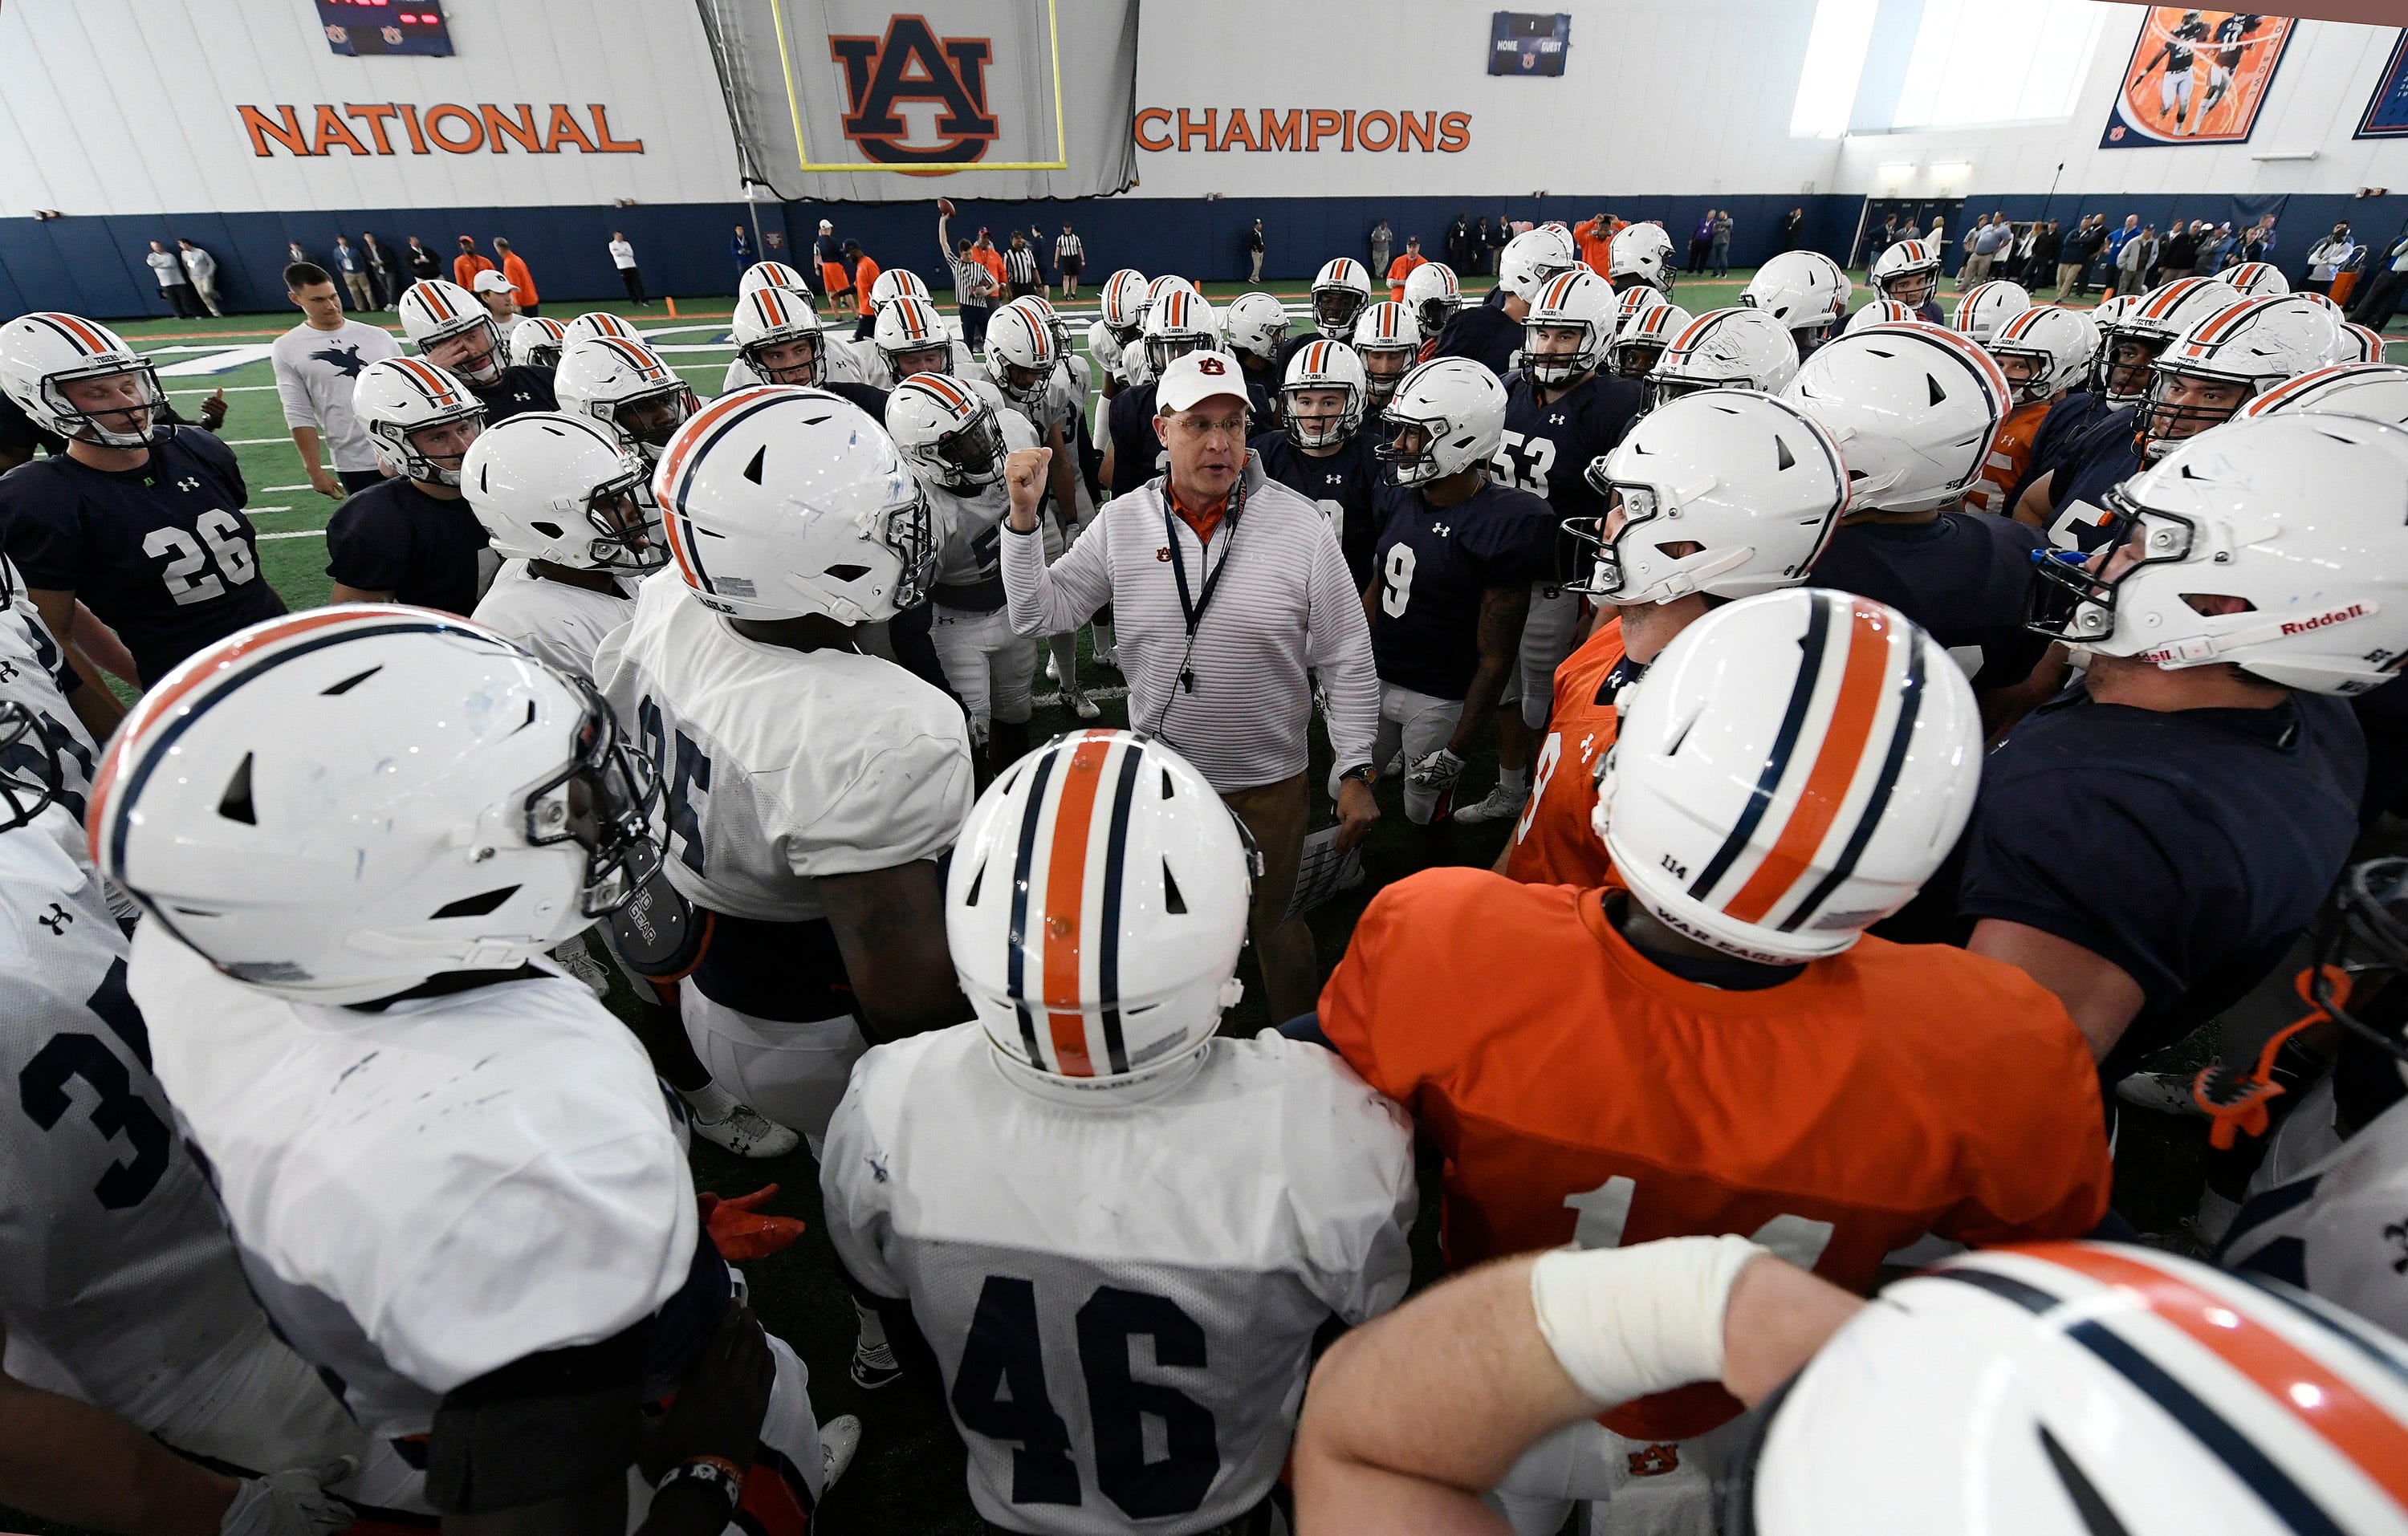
point(2065, 424)
point(1546, 449)
point(1964, 576)
point(2101, 457)
point(1430, 567)
point(1483, 332)
point(1138, 454)
point(1345, 485)
point(395, 538)
point(2189, 847)
point(163, 554)
point(868, 397)
point(519, 389)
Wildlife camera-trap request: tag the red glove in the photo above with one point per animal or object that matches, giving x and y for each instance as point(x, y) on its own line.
point(739, 1232)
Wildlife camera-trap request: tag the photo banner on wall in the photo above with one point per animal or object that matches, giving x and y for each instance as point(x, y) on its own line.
point(873, 101)
point(2197, 76)
point(2387, 114)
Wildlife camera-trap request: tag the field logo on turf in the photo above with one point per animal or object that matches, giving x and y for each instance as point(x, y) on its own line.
point(911, 63)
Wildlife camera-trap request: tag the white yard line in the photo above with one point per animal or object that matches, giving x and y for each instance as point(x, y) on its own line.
point(309, 533)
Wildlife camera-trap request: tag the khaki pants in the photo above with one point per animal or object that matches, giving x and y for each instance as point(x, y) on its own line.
point(2068, 276)
point(363, 296)
point(1275, 815)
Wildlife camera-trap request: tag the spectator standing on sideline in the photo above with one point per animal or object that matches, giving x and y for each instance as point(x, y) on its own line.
point(2258, 244)
point(2132, 257)
point(2179, 256)
point(1701, 241)
point(202, 268)
point(2327, 257)
point(828, 265)
point(2041, 260)
point(1069, 255)
point(468, 263)
point(864, 273)
point(1381, 239)
point(379, 259)
point(424, 264)
point(1593, 237)
point(973, 284)
point(1881, 241)
point(1475, 252)
point(2215, 250)
point(521, 281)
point(352, 269)
point(631, 277)
point(1458, 244)
point(1226, 586)
point(1718, 251)
point(1402, 268)
point(493, 291)
point(173, 286)
point(1500, 234)
point(1020, 269)
point(2083, 256)
point(293, 251)
point(1937, 238)
point(1793, 229)
point(740, 250)
point(2381, 300)
point(1254, 252)
point(317, 366)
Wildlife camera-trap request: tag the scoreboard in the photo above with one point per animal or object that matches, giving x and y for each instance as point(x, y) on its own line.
point(362, 27)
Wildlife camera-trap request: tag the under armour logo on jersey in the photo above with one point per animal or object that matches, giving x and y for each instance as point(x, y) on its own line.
point(1589, 746)
point(1555, 418)
point(188, 483)
point(1441, 529)
point(56, 919)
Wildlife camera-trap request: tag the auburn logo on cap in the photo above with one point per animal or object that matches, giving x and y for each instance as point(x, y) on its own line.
point(1211, 365)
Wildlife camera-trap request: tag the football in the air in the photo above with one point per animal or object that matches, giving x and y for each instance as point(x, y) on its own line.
point(945, 206)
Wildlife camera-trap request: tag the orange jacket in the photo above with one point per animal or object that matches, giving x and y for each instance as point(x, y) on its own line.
point(464, 268)
point(865, 277)
point(1595, 238)
point(991, 259)
point(521, 280)
point(1398, 270)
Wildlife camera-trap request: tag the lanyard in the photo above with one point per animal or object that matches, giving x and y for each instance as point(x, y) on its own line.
point(1191, 608)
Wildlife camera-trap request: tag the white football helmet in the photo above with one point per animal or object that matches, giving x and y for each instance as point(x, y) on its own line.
point(1122, 304)
point(1753, 481)
point(1386, 340)
point(780, 502)
point(1433, 295)
point(626, 387)
point(773, 275)
point(1639, 342)
point(335, 805)
point(1908, 272)
point(1155, 291)
point(1888, 311)
point(42, 352)
point(1176, 324)
point(1095, 908)
point(892, 283)
point(1987, 305)
point(1457, 408)
point(1340, 290)
point(2295, 515)
point(1579, 302)
point(768, 319)
point(2325, 303)
point(396, 398)
point(1042, 308)
point(538, 342)
point(948, 432)
point(2377, 391)
point(597, 324)
point(2050, 345)
point(549, 486)
point(434, 311)
point(2108, 315)
point(911, 336)
point(2356, 343)
point(1793, 769)
point(1533, 256)
point(1641, 253)
point(2131, 341)
point(1021, 354)
point(1257, 323)
point(1324, 364)
point(1726, 349)
point(2258, 279)
point(1914, 408)
point(1632, 302)
point(1804, 290)
point(2252, 346)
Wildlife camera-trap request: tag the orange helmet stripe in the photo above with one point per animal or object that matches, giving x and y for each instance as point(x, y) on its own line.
point(1080, 780)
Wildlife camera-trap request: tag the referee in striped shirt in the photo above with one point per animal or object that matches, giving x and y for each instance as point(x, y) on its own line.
point(1020, 268)
point(1226, 586)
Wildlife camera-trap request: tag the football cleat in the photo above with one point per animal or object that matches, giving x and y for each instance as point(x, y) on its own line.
point(742, 1130)
point(873, 1365)
point(1500, 804)
point(840, 1438)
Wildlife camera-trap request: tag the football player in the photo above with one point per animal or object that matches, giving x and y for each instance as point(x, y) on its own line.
point(1489, 333)
point(1342, 291)
point(776, 274)
point(2044, 351)
point(891, 283)
point(1387, 341)
point(1120, 318)
point(1561, 415)
point(1253, 329)
point(1724, 349)
point(1986, 306)
point(1806, 291)
point(808, 788)
point(626, 387)
point(1641, 334)
point(411, 537)
point(598, 325)
point(142, 521)
point(1073, 386)
point(1433, 295)
point(453, 1181)
point(537, 342)
point(456, 333)
point(909, 338)
point(2177, 52)
point(1451, 569)
point(1176, 324)
point(1715, 495)
point(2227, 359)
point(2231, 35)
point(1908, 272)
point(35, 675)
point(1320, 449)
point(1136, 362)
point(999, 1184)
point(779, 341)
point(1727, 983)
point(1643, 255)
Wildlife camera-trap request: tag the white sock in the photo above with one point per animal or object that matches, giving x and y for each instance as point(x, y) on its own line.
point(711, 1103)
point(873, 1327)
point(1515, 782)
point(1103, 636)
point(1066, 659)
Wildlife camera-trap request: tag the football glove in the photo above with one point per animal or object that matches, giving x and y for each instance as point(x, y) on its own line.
point(293, 1503)
point(1437, 772)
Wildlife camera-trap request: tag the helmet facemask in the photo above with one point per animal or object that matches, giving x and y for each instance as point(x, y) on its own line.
point(970, 456)
point(1163, 351)
point(1417, 466)
point(2073, 596)
point(1431, 314)
point(1384, 368)
point(1555, 365)
point(603, 801)
point(2034, 387)
point(650, 419)
point(2164, 419)
point(1321, 429)
point(807, 372)
point(401, 443)
point(31, 773)
point(435, 348)
point(87, 425)
point(624, 537)
point(1336, 307)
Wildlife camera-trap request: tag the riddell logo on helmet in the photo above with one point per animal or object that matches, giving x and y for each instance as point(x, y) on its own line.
point(2325, 621)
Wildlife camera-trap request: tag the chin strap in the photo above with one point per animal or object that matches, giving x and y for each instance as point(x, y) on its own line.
point(2236, 1102)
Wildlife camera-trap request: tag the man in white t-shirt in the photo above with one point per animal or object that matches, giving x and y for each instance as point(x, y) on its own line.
point(173, 286)
point(318, 365)
point(623, 256)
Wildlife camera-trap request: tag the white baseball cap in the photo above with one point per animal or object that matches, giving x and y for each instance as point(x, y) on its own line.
point(490, 281)
point(1197, 377)
point(825, 225)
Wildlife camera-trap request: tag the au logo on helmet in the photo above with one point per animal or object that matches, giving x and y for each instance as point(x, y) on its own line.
point(911, 63)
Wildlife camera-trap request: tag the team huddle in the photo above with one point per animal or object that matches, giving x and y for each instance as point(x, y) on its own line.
point(1907, 723)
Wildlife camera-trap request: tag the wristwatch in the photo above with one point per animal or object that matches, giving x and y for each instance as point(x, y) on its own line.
point(1362, 771)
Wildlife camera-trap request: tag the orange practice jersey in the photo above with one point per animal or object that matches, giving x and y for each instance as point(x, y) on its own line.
point(1398, 270)
point(2009, 453)
point(1580, 1092)
point(1553, 843)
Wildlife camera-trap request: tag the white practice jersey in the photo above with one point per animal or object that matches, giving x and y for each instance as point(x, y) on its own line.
point(33, 672)
point(780, 766)
point(1103, 348)
point(562, 625)
point(2337, 1228)
point(1122, 1294)
point(844, 366)
point(970, 528)
point(427, 1193)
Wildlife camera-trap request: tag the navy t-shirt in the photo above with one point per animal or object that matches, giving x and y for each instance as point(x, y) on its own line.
point(521, 388)
point(1483, 332)
point(1430, 567)
point(2101, 458)
point(163, 554)
point(2063, 426)
point(2189, 847)
point(1547, 448)
point(1344, 485)
point(1964, 576)
point(1138, 454)
point(395, 538)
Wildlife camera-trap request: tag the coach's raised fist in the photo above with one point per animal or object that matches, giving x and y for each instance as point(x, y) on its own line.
point(1023, 475)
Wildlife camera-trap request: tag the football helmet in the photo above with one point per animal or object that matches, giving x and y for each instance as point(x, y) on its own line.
point(1731, 829)
point(1433, 295)
point(1579, 302)
point(1641, 341)
point(1324, 365)
point(2258, 279)
point(1457, 409)
point(1804, 290)
point(398, 398)
point(895, 283)
point(1726, 349)
point(1021, 354)
point(1987, 305)
point(2250, 346)
point(42, 352)
point(947, 432)
point(1340, 291)
point(2131, 341)
point(334, 806)
point(780, 502)
point(2324, 302)
point(1914, 408)
point(1641, 253)
point(1533, 256)
point(913, 338)
point(769, 319)
point(538, 342)
point(1888, 312)
point(2292, 519)
point(2050, 346)
point(1154, 292)
point(1751, 480)
point(549, 486)
point(1387, 341)
point(1255, 324)
point(1628, 303)
point(626, 387)
point(2108, 315)
point(433, 312)
point(1122, 304)
point(1042, 308)
point(2356, 343)
point(1095, 908)
point(762, 275)
point(1908, 272)
point(601, 323)
point(2377, 391)
point(1176, 324)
